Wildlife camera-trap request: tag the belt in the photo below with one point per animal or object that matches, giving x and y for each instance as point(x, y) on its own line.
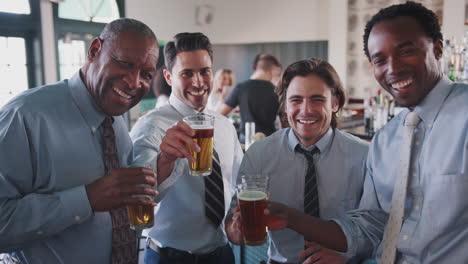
point(172, 252)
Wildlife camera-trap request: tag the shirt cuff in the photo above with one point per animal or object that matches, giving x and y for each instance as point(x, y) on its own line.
point(347, 230)
point(175, 174)
point(76, 203)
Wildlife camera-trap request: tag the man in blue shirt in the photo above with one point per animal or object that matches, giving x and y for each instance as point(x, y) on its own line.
point(55, 194)
point(404, 44)
point(311, 95)
point(182, 232)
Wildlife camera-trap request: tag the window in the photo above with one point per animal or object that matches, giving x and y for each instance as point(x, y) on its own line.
point(15, 7)
point(77, 23)
point(103, 11)
point(20, 63)
point(13, 67)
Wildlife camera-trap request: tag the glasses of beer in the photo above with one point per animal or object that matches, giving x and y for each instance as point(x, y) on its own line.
point(141, 216)
point(204, 130)
point(252, 196)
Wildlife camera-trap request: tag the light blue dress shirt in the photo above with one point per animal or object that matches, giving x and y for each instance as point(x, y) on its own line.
point(435, 225)
point(180, 220)
point(340, 170)
point(50, 149)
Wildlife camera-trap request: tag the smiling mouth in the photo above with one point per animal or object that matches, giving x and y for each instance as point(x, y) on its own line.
point(122, 94)
point(197, 93)
point(306, 122)
point(402, 84)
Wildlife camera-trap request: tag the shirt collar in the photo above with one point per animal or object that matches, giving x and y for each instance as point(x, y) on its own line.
point(85, 102)
point(431, 104)
point(181, 107)
point(322, 144)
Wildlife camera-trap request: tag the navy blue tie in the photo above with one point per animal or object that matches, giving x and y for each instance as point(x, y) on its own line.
point(214, 193)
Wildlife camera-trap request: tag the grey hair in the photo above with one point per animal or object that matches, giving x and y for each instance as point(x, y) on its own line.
point(112, 30)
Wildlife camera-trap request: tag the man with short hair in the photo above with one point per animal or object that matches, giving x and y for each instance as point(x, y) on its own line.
point(311, 95)
point(256, 97)
point(65, 146)
point(418, 214)
point(183, 231)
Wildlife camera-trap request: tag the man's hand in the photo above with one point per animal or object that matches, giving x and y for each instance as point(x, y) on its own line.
point(277, 216)
point(234, 227)
point(317, 254)
point(117, 187)
point(177, 142)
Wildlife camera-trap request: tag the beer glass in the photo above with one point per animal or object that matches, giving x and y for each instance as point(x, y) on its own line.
point(252, 196)
point(204, 130)
point(141, 216)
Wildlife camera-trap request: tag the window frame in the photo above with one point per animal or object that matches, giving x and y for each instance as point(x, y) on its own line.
point(27, 26)
point(79, 29)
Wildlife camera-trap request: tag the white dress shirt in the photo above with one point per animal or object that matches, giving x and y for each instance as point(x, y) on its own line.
point(180, 220)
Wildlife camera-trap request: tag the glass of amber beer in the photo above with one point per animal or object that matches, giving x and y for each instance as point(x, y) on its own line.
point(204, 130)
point(252, 196)
point(141, 216)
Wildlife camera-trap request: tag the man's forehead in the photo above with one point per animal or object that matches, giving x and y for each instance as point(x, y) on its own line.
point(193, 59)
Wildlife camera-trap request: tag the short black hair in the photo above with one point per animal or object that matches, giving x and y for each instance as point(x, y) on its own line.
point(425, 17)
point(112, 30)
point(185, 42)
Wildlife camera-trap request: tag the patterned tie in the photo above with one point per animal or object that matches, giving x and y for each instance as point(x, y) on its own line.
point(395, 219)
point(123, 238)
point(311, 199)
point(214, 193)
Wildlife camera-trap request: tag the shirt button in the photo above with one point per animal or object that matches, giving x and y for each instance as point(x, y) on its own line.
point(93, 129)
point(405, 237)
point(416, 207)
point(40, 232)
point(405, 262)
point(77, 218)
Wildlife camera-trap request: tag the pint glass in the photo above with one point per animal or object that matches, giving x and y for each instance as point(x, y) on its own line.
point(252, 195)
point(204, 130)
point(141, 216)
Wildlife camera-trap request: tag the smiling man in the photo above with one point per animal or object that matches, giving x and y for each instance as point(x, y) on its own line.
point(311, 94)
point(182, 232)
point(64, 149)
point(404, 44)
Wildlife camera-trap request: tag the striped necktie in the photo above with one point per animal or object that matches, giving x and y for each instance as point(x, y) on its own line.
point(214, 193)
point(123, 238)
point(311, 199)
point(395, 220)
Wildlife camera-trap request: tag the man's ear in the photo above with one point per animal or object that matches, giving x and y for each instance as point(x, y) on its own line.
point(167, 76)
point(94, 49)
point(438, 49)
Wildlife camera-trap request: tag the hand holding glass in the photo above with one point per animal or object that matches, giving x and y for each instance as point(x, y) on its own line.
point(252, 195)
point(204, 131)
point(141, 216)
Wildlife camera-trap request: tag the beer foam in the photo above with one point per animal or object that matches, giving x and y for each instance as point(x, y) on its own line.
point(252, 195)
point(201, 126)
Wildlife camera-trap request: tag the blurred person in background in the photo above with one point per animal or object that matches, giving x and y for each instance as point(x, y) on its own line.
point(161, 89)
point(256, 97)
point(223, 83)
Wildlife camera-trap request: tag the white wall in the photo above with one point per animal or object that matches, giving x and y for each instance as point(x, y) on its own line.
point(239, 21)
point(252, 21)
point(453, 19)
